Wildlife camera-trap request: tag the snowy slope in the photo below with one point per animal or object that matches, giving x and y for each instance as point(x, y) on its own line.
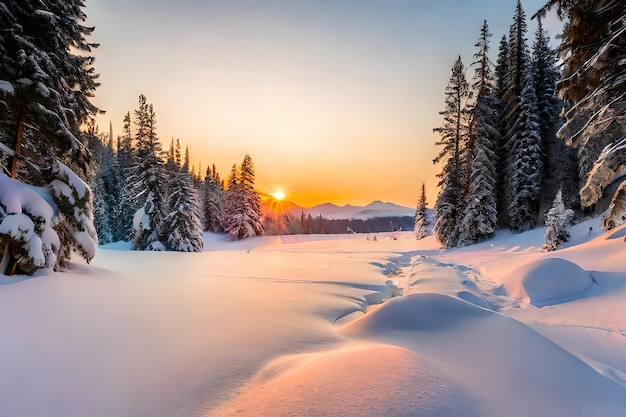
point(294, 325)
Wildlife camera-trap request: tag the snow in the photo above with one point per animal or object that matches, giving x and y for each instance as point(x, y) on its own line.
point(547, 280)
point(7, 87)
point(306, 325)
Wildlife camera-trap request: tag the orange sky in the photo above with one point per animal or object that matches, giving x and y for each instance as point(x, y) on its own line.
point(335, 101)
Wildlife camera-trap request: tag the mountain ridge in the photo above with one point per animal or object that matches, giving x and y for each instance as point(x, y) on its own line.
point(328, 210)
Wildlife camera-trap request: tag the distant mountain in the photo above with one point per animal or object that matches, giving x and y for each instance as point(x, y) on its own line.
point(332, 211)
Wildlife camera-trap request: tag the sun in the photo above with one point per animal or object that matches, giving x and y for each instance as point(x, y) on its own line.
point(279, 195)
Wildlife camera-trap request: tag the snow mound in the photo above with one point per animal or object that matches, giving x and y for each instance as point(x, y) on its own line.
point(355, 381)
point(547, 280)
point(507, 368)
point(432, 312)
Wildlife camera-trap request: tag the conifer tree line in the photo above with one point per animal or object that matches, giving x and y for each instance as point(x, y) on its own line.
point(154, 198)
point(502, 162)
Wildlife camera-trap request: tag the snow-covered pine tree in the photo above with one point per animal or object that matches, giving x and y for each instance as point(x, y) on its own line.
point(480, 219)
point(559, 159)
point(593, 49)
point(242, 210)
point(518, 66)
point(557, 219)
point(525, 162)
point(181, 228)
point(522, 142)
point(449, 208)
point(47, 82)
point(420, 216)
point(106, 186)
point(49, 79)
point(123, 223)
point(212, 201)
point(500, 72)
point(74, 225)
point(149, 182)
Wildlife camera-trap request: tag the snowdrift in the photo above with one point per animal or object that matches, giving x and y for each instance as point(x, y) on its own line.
point(362, 380)
point(501, 362)
point(547, 281)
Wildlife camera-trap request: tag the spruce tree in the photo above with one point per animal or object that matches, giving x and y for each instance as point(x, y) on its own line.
point(480, 219)
point(559, 159)
point(148, 182)
point(212, 202)
point(420, 216)
point(593, 50)
point(181, 227)
point(500, 72)
point(557, 220)
point(242, 212)
point(47, 82)
point(525, 163)
point(449, 208)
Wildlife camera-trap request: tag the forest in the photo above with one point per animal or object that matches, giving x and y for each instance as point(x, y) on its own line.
point(533, 137)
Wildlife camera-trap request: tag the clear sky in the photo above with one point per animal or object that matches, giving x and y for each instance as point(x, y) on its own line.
point(334, 100)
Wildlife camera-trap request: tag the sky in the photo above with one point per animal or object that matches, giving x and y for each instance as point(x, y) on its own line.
point(334, 100)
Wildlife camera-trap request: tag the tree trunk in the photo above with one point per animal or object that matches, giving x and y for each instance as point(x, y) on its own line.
point(18, 141)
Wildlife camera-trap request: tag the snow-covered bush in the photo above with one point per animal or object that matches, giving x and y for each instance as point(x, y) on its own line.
point(27, 240)
point(74, 224)
point(40, 227)
point(557, 219)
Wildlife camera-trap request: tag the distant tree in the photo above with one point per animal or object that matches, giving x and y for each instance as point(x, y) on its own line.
point(212, 201)
point(106, 185)
point(454, 134)
point(420, 216)
point(242, 218)
point(557, 219)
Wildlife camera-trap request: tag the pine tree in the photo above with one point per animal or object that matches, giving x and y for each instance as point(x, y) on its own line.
point(106, 186)
point(420, 216)
point(181, 227)
point(559, 159)
point(45, 64)
point(454, 135)
point(516, 78)
point(47, 82)
point(480, 219)
point(557, 220)
point(212, 202)
point(593, 50)
point(148, 182)
point(525, 163)
point(242, 216)
point(500, 72)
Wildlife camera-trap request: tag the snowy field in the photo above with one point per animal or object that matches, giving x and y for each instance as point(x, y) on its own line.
point(306, 326)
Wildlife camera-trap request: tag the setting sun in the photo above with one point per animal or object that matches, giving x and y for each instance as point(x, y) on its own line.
point(278, 195)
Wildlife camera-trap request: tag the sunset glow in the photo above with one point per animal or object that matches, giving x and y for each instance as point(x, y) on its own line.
point(336, 99)
point(278, 195)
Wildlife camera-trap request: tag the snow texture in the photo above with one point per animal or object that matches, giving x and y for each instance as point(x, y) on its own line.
point(548, 280)
point(290, 325)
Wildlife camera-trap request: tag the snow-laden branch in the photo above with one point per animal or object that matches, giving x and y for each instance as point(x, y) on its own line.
point(594, 59)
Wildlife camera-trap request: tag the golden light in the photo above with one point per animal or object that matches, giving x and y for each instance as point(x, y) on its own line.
point(278, 195)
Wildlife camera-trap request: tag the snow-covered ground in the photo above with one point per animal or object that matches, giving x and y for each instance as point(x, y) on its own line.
point(304, 326)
